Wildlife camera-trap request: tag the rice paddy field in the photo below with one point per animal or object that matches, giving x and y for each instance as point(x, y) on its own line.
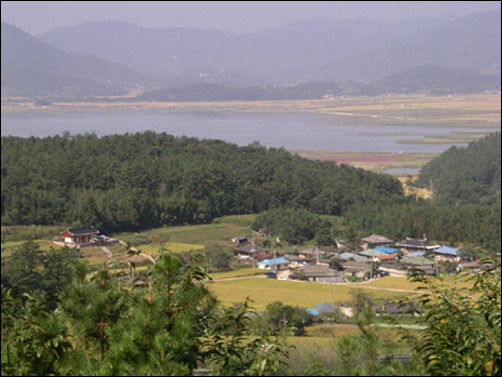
point(304, 294)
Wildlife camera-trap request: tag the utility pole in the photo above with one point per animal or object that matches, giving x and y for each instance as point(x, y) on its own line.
point(330, 298)
point(275, 265)
point(252, 250)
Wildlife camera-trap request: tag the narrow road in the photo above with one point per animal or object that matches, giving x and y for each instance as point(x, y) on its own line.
point(105, 250)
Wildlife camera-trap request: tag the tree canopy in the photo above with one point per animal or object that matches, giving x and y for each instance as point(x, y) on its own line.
point(466, 175)
point(144, 180)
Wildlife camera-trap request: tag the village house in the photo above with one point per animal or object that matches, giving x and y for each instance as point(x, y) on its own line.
point(296, 260)
point(239, 240)
point(351, 257)
point(320, 273)
point(422, 263)
point(357, 269)
point(393, 267)
point(248, 251)
point(273, 264)
point(81, 237)
point(375, 254)
point(413, 244)
point(446, 253)
point(310, 253)
point(394, 308)
point(376, 240)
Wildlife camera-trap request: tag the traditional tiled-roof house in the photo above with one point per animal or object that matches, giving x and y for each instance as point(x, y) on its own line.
point(321, 273)
point(375, 239)
point(80, 236)
point(446, 253)
point(248, 250)
point(413, 244)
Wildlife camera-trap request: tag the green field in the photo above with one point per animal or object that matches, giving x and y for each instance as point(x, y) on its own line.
point(237, 273)
point(10, 246)
point(174, 247)
point(220, 231)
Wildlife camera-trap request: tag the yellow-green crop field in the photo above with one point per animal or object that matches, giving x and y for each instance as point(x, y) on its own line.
point(174, 247)
point(237, 273)
point(9, 247)
point(304, 294)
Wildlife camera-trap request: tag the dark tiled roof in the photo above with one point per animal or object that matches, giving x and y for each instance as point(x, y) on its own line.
point(294, 258)
point(318, 271)
point(416, 243)
point(310, 251)
point(246, 249)
point(80, 231)
point(375, 238)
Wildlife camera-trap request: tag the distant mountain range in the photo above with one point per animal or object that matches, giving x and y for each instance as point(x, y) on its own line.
point(34, 68)
point(303, 59)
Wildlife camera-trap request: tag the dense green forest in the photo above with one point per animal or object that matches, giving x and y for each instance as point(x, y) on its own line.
point(62, 317)
point(466, 204)
point(144, 180)
point(466, 175)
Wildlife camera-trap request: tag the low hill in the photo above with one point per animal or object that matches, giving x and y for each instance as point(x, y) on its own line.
point(435, 80)
point(429, 79)
point(142, 180)
point(466, 175)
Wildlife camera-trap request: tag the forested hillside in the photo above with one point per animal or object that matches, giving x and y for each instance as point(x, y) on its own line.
point(466, 206)
point(466, 175)
point(142, 180)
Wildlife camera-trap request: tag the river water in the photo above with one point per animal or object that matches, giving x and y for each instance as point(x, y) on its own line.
point(291, 131)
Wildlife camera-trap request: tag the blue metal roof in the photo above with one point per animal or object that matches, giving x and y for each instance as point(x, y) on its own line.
point(280, 260)
point(385, 249)
point(416, 254)
point(311, 311)
point(447, 250)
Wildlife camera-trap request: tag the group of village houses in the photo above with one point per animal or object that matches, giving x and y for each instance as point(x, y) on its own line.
point(392, 258)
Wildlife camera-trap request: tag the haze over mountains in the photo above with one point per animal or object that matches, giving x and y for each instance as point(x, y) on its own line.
point(306, 59)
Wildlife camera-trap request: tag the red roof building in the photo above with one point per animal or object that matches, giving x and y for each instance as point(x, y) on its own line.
point(79, 235)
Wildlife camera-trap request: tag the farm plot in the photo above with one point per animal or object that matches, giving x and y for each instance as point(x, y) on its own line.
point(304, 294)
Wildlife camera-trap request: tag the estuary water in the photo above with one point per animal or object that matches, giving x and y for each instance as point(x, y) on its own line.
point(291, 131)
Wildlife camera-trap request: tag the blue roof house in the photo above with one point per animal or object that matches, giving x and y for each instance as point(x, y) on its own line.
point(267, 264)
point(446, 253)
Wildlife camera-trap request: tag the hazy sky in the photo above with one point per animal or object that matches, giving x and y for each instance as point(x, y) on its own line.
point(36, 17)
